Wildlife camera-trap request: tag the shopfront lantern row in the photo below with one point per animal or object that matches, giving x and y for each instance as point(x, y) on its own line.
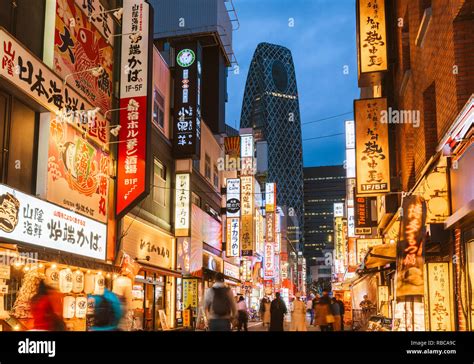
point(81, 307)
point(52, 277)
point(65, 280)
point(69, 307)
point(77, 281)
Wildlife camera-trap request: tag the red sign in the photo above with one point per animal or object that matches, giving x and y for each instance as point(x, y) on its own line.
point(132, 181)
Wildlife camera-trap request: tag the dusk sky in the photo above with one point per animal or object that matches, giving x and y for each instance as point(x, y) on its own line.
point(322, 42)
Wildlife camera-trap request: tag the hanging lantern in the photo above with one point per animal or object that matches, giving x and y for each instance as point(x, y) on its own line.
point(99, 284)
point(89, 283)
point(90, 305)
point(81, 306)
point(52, 277)
point(65, 280)
point(69, 307)
point(77, 281)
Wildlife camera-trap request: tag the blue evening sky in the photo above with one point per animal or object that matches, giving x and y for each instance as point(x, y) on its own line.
point(323, 41)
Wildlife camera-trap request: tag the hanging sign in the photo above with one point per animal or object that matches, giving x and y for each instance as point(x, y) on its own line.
point(233, 237)
point(182, 201)
point(233, 197)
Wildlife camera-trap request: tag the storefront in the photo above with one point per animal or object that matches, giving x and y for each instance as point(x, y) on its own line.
point(232, 277)
point(153, 294)
point(40, 241)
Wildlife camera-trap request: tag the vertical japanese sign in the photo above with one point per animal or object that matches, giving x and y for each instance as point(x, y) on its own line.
point(339, 238)
point(365, 215)
point(372, 36)
point(190, 293)
point(270, 227)
point(233, 237)
point(246, 184)
point(246, 270)
point(183, 259)
point(363, 246)
point(182, 203)
point(233, 197)
point(440, 309)
point(246, 155)
point(270, 197)
point(372, 153)
point(187, 101)
point(83, 42)
point(410, 260)
point(339, 209)
point(269, 261)
point(135, 105)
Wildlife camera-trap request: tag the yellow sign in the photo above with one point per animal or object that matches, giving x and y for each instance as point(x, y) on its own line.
point(372, 36)
point(187, 318)
point(190, 293)
point(363, 246)
point(372, 153)
point(247, 235)
point(440, 309)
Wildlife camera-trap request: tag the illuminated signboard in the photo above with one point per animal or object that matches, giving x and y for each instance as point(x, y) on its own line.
point(233, 237)
point(270, 227)
point(270, 197)
point(440, 306)
point(135, 106)
point(233, 197)
point(339, 241)
point(363, 246)
point(350, 134)
point(187, 101)
point(372, 152)
point(339, 209)
point(182, 202)
point(269, 261)
point(372, 36)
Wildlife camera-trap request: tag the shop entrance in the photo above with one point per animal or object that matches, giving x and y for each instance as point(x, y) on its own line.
point(148, 300)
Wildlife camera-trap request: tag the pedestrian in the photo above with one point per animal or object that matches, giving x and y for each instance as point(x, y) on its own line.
point(108, 312)
point(220, 305)
point(266, 314)
point(45, 309)
point(322, 313)
point(342, 311)
point(242, 314)
point(277, 313)
point(336, 312)
point(298, 316)
point(309, 309)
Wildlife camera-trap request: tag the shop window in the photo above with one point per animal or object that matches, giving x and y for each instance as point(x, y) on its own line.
point(216, 177)
point(158, 109)
point(18, 162)
point(159, 183)
point(207, 167)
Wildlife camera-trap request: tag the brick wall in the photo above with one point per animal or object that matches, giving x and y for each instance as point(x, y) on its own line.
point(446, 44)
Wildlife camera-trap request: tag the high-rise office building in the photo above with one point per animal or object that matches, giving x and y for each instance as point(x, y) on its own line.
point(271, 106)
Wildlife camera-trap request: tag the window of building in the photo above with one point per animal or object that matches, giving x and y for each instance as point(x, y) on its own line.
point(18, 138)
point(216, 177)
point(158, 109)
point(196, 199)
point(207, 167)
point(159, 183)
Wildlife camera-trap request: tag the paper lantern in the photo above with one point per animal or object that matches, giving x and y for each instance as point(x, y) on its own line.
point(77, 281)
point(99, 284)
point(69, 307)
point(81, 307)
point(90, 305)
point(89, 283)
point(65, 280)
point(52, 277)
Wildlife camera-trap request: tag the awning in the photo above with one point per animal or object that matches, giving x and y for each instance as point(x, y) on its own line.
point(380, 255)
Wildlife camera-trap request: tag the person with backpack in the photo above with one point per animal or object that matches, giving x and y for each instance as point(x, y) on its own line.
point(219, 305)
point(277, 313)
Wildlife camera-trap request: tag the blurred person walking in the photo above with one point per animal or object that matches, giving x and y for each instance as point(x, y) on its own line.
point(219, 305)
point(108, 312)
point(242, 314)
point(298, 316)
point(336, 312)
point(322, 313)
point(46, 309)
point(277, 313)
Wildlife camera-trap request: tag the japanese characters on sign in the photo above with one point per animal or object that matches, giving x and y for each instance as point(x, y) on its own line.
point(82, 43)
point(372, 36)
point(440, 309)
point(190, 292)
point(372, 153)
point(27, 219)
point(339, 241)
point(365, 215)
point(233, 237)
point(270, 227)
point(183, 252)
point(187, 101)
point(269, 261)
point(78, 173)
point(247, 154)
point(26, 72)
point(270, 197)
point(233, 197)
point(182, 202)
point(410, 259)
point(246, 270)
point(339, 209)
point(363, 246)
point(132, 183)
point(246, 185)
point(231, 270)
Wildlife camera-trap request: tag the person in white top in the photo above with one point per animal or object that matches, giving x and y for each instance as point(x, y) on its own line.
point(242, 314)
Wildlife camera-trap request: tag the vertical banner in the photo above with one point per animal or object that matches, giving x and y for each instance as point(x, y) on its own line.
point(269, 261)
point(270, 197)
point(246, 155)
point(410, 260)
point(372, 153)
point(439, 287)
point(372, 36)
point(233, 197)
point(187, 101)
point(182, 204)
point(247, 233)
point(190, 293)
point(135, 105)
point(365, 215)
point(233, 237)
point(270, 227)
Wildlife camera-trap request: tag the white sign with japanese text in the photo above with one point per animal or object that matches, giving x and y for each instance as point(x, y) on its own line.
point(183, 199)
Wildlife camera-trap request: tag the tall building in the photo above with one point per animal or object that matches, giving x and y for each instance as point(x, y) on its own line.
point(271, 106)
point(323, 187)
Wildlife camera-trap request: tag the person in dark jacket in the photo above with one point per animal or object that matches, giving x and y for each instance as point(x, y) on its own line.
point(342, 311)
point(277, 313)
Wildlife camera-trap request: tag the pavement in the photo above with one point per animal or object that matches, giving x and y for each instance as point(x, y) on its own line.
point(258, 326)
